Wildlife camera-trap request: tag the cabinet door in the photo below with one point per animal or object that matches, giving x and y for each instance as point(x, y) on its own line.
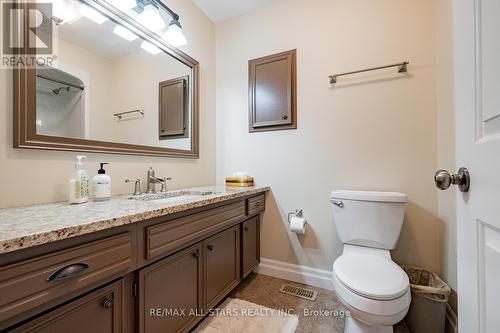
point(173, 108)
point(170, 293)
point(98, 312)
point(272, 92)
point(222, 264)
point(250, 245)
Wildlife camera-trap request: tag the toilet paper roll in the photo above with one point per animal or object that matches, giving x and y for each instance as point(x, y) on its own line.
point(298, 225)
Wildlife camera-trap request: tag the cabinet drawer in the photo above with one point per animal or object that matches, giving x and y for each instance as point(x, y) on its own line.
point(31, 283)
point(256, 204)
point(98, 312)
point(250, 247)
point(222, 264)
point(166, 237)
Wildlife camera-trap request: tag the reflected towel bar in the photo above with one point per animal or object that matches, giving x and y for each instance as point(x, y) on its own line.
point(402, 68)
point(121, 114)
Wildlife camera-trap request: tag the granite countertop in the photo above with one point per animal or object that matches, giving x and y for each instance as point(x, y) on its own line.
point(25, 227)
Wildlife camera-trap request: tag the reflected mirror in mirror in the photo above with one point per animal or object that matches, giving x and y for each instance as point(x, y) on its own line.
point(109, 84)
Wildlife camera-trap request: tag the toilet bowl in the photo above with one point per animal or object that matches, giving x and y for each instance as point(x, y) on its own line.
point(374, 289)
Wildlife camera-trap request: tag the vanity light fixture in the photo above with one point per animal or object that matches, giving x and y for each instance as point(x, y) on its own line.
point(150, 18)
point(124, 33)
point(92, 14)
point(147, 46)
point(174, 35)
point(123, 5)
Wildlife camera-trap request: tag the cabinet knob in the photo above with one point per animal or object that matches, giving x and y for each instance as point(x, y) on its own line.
point(196, 254)
point(108, 303)
point(284, 117)
point(245, 228)
point(210, 247)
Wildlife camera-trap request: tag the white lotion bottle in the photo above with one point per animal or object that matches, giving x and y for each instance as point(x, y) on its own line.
point(79, 183)
point(101, 185)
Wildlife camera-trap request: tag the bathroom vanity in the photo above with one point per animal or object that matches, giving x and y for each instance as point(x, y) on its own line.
point(128, 265)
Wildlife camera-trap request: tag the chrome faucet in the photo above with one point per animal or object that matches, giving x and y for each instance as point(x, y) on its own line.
point(152, 180)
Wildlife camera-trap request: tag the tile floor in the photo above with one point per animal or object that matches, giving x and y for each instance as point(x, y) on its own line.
point(264, 290)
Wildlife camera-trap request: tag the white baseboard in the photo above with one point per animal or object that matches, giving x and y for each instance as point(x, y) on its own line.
point(302, 274)
point(451, 320)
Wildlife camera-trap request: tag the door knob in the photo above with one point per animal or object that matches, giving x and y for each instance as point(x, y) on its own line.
point(444, 180)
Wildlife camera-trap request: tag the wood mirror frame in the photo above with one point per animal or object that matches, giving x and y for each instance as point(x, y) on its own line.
point(25, 135)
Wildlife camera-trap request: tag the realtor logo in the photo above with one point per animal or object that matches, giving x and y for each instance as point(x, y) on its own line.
point(27, 34)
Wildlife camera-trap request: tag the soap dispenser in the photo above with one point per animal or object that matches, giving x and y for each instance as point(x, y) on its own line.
point(101, 185)
point(79, 183)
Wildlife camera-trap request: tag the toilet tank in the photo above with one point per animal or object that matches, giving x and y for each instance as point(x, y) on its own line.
point(372, 219)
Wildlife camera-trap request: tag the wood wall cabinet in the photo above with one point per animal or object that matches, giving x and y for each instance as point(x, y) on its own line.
point(161, 275)
point(97, 312)
point(250, 245)
point(272, 92)
point(174, 108)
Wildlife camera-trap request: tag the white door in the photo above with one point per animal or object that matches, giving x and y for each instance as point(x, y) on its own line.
point(477, 117)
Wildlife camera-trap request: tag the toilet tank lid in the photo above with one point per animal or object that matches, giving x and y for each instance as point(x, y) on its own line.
point(369, 196)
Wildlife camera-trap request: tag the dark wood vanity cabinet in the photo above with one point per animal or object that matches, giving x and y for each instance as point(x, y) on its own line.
point(98, 312)
point(161, 275)
point(170, 292)
point(250, 245)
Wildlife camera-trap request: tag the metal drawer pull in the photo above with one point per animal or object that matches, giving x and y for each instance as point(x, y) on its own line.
point(108, 303)
point(68, 271)
point(337, 203)
point(210, 247)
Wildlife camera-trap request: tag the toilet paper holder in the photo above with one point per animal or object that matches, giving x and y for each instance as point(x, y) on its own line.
point(297, 213)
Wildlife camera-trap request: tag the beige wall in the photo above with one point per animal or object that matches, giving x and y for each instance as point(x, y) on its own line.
point(30, 176)
point(376, 131)
point(445, 139)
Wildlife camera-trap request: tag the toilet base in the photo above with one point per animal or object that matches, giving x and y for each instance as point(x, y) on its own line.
point(355, 326)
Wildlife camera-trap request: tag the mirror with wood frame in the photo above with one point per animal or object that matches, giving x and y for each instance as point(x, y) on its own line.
point(113, 87)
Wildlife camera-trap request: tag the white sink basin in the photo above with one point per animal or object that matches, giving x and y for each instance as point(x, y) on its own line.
point(173, 196)
point(176, 198)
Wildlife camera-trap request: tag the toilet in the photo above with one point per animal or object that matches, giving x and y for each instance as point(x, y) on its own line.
point(373, 288)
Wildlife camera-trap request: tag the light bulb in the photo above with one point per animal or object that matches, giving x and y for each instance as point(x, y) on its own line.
point(174, 35)
point(151, 19)
point(65, 10)
point(123, 5)
point(92, 14)
point(147, 46)
point(125, 33)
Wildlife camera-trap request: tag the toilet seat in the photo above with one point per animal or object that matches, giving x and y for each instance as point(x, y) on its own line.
point(370, 311)
point(371, 275)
